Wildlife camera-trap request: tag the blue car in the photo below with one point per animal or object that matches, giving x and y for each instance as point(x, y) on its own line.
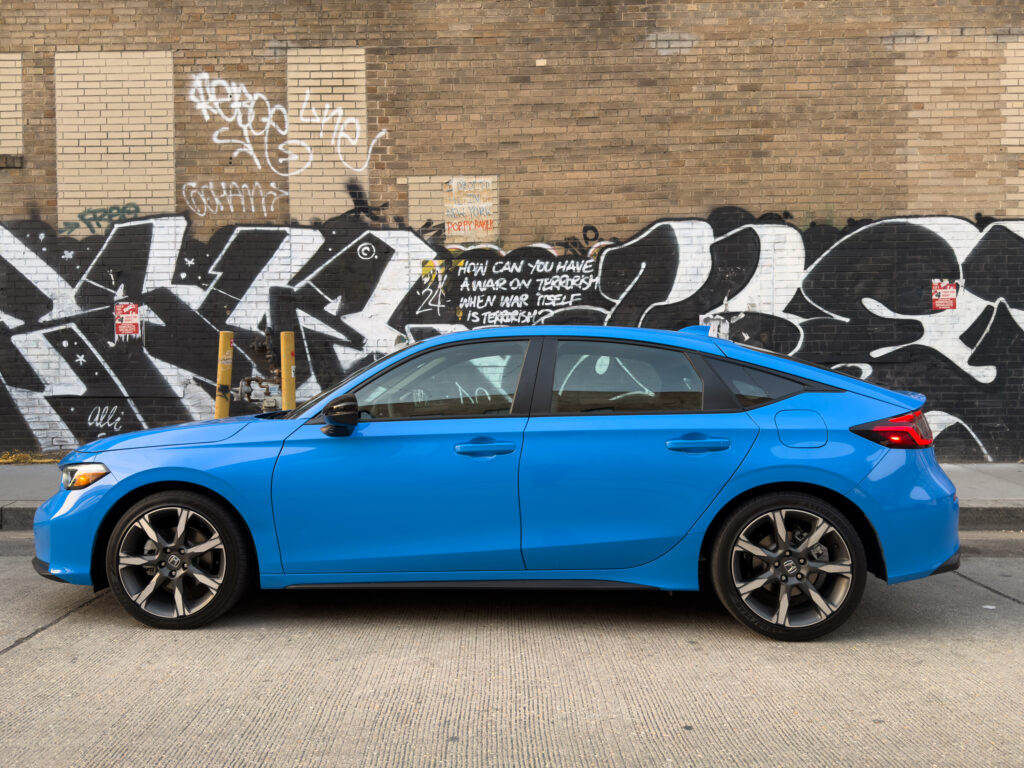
point(546, 456)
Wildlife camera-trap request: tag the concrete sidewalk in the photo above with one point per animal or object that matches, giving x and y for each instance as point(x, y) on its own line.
point(991, 495)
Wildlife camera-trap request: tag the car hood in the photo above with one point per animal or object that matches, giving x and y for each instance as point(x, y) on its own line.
point(190, 433)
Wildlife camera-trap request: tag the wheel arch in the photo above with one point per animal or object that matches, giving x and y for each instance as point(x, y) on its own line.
point(853, 513)
point(97, 568)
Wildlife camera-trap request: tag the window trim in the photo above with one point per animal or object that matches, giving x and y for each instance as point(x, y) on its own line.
point(522, 399)
point(545, 380)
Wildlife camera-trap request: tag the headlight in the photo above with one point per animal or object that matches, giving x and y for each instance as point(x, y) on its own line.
point(75, 476)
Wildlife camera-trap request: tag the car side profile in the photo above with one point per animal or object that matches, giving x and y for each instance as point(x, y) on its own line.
point(541, 456)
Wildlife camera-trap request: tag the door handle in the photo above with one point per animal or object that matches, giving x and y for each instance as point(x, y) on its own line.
point(698, 444)
point(490, 448)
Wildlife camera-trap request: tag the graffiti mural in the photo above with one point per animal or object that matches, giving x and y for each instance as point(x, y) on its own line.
point(858, 299)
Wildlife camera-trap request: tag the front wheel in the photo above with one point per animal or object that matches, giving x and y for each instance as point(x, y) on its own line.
point(789, 565)
point(177, 560)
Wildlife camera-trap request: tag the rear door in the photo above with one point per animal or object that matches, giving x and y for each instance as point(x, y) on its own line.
point(626, 446)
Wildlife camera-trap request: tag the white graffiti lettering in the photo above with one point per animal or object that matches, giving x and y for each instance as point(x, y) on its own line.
point(105, 417)
point(258, 128)
point(212, 197)
point(346, 132)
point(259, 122)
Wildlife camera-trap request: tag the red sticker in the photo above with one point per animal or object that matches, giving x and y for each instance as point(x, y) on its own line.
point(943, 294)
point(126, 319)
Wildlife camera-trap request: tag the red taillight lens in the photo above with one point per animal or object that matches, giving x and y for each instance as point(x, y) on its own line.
point(910, 430)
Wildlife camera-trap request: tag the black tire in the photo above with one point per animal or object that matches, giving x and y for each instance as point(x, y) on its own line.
point(211, 544)
point(799, 587)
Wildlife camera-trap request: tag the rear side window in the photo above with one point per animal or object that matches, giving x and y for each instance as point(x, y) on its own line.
point(753, 386)
point(597, 377)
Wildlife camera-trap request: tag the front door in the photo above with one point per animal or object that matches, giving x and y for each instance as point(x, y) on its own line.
point(620, 457)
point(427, 481)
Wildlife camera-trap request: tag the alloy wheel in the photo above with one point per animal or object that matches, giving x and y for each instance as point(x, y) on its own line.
point(171, 562)
point(792, 568)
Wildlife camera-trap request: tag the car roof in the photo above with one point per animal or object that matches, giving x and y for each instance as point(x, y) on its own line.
point(698, 342)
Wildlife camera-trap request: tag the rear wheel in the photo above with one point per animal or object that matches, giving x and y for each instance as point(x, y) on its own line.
point(789, 565)
point(177, 560)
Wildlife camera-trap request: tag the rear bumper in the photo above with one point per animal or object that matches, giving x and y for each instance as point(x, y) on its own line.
point(914, 510)
point(950, 565)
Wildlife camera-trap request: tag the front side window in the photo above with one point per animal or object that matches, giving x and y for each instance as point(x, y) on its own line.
point(595, 377)
point(477, 379)
point(303, 409)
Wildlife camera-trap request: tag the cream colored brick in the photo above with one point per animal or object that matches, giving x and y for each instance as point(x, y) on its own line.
point(110, 107)
point(327, 121)
point(1012, 101)
point(426, 199)
point(11, 115)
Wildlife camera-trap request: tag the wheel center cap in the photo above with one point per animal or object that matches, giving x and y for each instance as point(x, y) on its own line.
point(790, 567)
point(174, 561)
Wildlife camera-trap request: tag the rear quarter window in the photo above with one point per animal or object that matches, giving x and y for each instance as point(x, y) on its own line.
point(754, 387)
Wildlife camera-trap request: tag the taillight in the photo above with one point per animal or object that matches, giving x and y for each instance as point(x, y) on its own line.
point(910, 430)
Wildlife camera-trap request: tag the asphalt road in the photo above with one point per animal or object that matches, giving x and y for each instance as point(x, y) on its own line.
point(926, 673)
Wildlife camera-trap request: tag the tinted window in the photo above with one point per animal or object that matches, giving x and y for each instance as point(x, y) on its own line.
point(601, 377)
point(753, 386)
point(460, 380)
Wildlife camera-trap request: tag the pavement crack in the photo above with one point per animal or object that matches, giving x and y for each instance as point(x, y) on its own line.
point(45, 627)
point(983, 586)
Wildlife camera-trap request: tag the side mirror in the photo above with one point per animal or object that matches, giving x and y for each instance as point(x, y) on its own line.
point(341, 415)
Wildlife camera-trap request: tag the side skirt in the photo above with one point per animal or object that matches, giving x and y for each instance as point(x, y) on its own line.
point(497, 584)
point(675, 571)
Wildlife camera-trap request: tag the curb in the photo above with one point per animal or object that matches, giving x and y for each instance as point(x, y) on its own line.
point(18, 516)
point(994, 518)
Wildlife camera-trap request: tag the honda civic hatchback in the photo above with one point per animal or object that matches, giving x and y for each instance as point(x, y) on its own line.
point(547, 456)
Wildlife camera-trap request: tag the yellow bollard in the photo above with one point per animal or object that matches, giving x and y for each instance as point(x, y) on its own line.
point(287, 370)
point(222, 404)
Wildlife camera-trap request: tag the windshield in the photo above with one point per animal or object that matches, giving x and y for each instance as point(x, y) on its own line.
point(309, 405)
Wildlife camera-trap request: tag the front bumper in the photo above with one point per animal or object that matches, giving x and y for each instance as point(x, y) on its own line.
point(64, 528)
point(43, 569)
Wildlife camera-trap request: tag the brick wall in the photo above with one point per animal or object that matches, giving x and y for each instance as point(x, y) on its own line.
point(285, 149)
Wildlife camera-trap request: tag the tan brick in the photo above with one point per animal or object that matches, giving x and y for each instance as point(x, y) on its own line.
point(104, 155)
point(11, 114)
